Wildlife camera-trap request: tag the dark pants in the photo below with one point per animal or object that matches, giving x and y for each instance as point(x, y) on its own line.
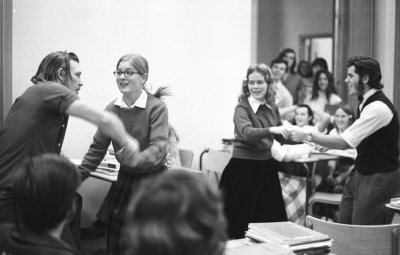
point(365, 196)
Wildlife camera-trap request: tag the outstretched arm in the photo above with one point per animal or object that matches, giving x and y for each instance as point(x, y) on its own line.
point(108, 123)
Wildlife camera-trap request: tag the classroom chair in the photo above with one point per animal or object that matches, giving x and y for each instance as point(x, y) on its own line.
point(359, 239)
point(186, 157)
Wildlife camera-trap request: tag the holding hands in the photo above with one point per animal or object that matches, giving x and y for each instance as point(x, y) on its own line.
point(281, 130)
point(298, 134)
point(127, 155)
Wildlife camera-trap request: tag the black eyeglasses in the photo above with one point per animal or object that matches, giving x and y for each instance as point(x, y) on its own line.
point(127, 73)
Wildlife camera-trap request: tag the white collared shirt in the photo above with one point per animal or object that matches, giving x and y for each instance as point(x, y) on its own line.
point(140, 102)
point(254, 103)
point(374, 116)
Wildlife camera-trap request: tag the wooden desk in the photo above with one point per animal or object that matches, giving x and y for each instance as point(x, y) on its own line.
point(313, 158)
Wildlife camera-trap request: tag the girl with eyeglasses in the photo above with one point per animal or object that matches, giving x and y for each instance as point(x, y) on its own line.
point(250, 181)
point(146, 118)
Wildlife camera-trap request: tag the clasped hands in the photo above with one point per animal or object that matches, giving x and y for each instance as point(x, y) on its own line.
point(128, 154)
point(294, 133)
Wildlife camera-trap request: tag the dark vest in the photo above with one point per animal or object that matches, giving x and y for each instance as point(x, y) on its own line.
point(379, 151)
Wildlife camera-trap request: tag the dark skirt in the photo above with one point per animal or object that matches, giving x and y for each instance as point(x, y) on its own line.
point(125, 187)
point(252, 193)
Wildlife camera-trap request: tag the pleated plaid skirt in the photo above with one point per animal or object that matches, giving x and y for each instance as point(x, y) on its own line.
point(125, 187)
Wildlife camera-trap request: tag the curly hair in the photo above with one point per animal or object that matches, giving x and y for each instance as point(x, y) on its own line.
point(265, 71)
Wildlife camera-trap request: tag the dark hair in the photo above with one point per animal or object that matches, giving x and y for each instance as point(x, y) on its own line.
point(48, 68)
point(348, 109)
point(175, 213)
point(320, 62)
point(366, 66)
point(283, 53)
point(309, 111)
point(265, 71)
point(280, 61)
point(329, 90)
point(308, 67)
point(44, 191)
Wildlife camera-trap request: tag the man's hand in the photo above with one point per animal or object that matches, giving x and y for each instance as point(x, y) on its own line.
point(280, 130)
point(127, 155)
point(298, 134)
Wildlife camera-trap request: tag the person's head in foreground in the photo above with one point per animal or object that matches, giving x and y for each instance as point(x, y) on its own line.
point(175, 213)
point(44, 192)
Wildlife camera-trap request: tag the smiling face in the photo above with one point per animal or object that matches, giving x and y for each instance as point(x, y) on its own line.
point(278, 70)
point(353, 82)
point(301, 117)
point(342, 119)
point(289, 57)
point(323, 82)
point(257, 86)
point(129, 85)
point(73, 81)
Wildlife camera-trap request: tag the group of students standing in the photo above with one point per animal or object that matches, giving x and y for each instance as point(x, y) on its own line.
point(136, 124)
point(250, 181)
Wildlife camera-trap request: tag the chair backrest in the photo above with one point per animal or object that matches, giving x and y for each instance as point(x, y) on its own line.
point(359, 239)
point(215, 160)
point(186, 157)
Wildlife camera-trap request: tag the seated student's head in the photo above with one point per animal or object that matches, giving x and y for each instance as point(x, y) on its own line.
point(303, 115)
point(319, 64)
point(176, 213)
point(44, 190)
point(344, 117)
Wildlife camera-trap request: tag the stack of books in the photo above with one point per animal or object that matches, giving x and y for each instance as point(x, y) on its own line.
point(299, 239)
point(257, 249)
point(394, 203)
point(109, 166)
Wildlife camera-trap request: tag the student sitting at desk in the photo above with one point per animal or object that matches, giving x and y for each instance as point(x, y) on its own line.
point(44, 191)
point(176, 213)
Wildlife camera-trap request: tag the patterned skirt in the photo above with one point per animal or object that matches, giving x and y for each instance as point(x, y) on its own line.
point(125, 187)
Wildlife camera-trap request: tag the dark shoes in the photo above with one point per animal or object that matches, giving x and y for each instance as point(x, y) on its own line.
point(96, 230)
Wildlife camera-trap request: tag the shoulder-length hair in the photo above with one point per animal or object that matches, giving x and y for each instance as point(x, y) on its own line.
point(44, 191)
point(348, 109)
point(283, 53)
point(266, 72)
point(329, 90)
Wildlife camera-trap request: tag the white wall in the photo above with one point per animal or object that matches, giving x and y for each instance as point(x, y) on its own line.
point(384, 40)
point(305, 17)
point(282, 22)
point(200, 49)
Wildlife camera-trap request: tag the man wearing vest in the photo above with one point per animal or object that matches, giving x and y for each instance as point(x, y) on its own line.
point(375, 134)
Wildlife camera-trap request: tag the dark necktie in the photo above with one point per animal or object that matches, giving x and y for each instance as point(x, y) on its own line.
point(360, 99)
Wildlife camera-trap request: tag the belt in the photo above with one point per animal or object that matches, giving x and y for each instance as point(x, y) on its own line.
point(5, 193)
